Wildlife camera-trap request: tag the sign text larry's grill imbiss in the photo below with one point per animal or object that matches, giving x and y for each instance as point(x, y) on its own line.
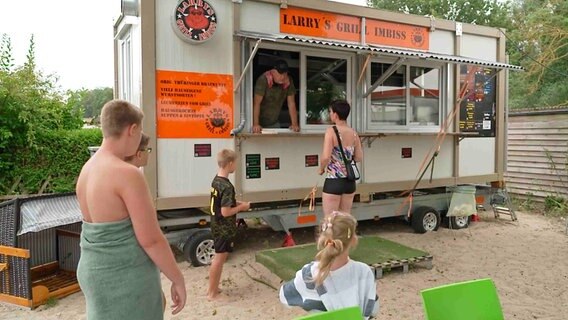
point(348, 28)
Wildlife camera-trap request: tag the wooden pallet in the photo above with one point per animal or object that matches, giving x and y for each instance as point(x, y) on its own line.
point(58, 280)
point(380, 268)
point(51, 282)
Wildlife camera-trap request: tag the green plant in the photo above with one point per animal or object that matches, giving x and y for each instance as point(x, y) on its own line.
point(41, 144)
point(556, 206)
point(319, 96)
point(51, 302)
point(528, 203)
point(54, 163)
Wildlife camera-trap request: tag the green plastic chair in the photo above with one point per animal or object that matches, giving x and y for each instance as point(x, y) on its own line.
point(470, 300)
point(351, 313)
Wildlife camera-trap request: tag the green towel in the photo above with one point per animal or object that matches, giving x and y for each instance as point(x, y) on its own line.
point(118, 278)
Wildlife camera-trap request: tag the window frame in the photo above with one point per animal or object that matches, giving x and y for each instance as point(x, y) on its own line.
point(125, 69)
point(303, 51)
point(303, 78)
point(409, 127)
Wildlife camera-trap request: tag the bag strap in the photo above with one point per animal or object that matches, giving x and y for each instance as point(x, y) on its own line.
point(340, 147)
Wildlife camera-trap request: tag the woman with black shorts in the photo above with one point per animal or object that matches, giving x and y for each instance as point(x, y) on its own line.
point(338, 191)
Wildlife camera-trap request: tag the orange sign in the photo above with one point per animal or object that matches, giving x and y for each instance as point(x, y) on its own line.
point(341, 27)
point(397, 35)
point(194, 105)
point(320, 24)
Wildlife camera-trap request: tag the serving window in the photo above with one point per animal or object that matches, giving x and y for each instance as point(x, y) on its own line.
point(319, 77)
point(404, 97)
point(327, 79)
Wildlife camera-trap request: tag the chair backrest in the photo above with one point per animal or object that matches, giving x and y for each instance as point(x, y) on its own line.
point(350, 313)
point(470, 300)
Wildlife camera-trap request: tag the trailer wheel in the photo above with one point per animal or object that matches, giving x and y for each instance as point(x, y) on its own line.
point(199, 249)
point(425, 219)
point(458, 222)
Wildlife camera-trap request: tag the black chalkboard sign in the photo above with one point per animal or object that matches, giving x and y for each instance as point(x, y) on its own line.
point(477, 110)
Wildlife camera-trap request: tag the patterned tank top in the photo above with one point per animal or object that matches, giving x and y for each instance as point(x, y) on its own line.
point(336, 167)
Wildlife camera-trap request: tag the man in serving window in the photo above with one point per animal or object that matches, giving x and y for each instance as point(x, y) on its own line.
point(271, 89)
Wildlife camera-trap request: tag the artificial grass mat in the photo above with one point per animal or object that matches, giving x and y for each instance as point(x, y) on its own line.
point(284, 262)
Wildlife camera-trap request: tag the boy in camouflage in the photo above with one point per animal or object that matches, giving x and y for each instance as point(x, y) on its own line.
point(224, 208)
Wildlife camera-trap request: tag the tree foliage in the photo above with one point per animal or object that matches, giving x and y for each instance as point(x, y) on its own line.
point(31, 105)
point(537, 33)
point(540, 32)
point(482, 12)
point(91, 101)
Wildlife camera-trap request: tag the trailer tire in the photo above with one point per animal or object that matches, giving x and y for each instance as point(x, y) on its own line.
point(458, 222)
point(199, 249)
point(425, 219)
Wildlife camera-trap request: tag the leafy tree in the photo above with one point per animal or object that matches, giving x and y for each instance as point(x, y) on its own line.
point(92, 101)
point(491, 13)
point(6, 59)
point(30, 105)
point(541, 35)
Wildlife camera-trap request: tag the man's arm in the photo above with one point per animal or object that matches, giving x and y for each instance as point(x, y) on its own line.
point(256, 128)
point(293, 113)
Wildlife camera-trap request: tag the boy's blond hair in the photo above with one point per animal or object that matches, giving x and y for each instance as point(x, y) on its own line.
point(144, 141)
point(118, 115)
point(226, 156)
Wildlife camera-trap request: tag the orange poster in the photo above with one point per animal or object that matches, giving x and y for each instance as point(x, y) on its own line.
point(348, 28)
point(397, 35)
point(320, 24)
point(194, 105)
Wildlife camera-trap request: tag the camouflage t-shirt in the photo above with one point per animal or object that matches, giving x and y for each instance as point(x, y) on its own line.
point(222, 195)
point(273, 99)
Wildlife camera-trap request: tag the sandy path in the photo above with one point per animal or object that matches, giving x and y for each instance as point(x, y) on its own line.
point(527, 260)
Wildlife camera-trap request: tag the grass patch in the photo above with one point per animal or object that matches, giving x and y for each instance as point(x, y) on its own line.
point(284, 262)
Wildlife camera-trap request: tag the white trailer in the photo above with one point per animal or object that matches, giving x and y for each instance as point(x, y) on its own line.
point(423, 91)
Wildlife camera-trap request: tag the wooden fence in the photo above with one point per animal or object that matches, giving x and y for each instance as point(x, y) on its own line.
point(537, 155)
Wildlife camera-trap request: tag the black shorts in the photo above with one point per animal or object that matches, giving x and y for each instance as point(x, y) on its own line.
point(339, 186)
point(223, 245)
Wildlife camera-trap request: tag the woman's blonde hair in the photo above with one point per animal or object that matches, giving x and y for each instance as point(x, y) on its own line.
point(336, 236)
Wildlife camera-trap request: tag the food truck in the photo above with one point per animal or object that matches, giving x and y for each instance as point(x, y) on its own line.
point(428, 98)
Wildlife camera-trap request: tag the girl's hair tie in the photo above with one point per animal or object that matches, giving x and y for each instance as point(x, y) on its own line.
point(326, 225)
point(330, 242)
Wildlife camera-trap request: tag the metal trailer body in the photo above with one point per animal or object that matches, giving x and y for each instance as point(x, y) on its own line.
point(195, 86)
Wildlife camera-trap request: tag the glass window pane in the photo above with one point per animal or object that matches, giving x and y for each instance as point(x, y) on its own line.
point(425, 96)
point(326, 81)
point(388, 100)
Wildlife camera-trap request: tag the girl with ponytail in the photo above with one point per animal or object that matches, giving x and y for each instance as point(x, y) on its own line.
point(334, 281)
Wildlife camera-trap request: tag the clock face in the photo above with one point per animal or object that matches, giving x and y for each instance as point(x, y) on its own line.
point(194, 21)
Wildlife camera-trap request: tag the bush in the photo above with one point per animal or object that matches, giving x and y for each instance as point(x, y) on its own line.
point(57, 158)
point(555, 205)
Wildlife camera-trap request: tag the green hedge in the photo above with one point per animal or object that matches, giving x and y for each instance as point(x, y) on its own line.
point(57, 158)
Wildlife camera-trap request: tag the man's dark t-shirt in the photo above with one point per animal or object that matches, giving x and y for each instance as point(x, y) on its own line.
point(222, 195)
point(272, 99)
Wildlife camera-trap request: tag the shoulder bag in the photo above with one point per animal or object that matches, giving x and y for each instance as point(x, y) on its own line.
point(350, 165)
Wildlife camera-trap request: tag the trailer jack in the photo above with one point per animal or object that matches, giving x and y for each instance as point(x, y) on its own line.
point(288, 240)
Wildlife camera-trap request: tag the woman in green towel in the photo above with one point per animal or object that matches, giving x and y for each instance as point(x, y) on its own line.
point(122, 247)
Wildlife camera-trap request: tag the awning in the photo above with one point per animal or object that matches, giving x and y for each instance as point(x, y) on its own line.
point(45, 212)
point(373, 48)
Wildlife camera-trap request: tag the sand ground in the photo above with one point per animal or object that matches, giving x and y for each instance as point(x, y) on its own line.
point(528, 260)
